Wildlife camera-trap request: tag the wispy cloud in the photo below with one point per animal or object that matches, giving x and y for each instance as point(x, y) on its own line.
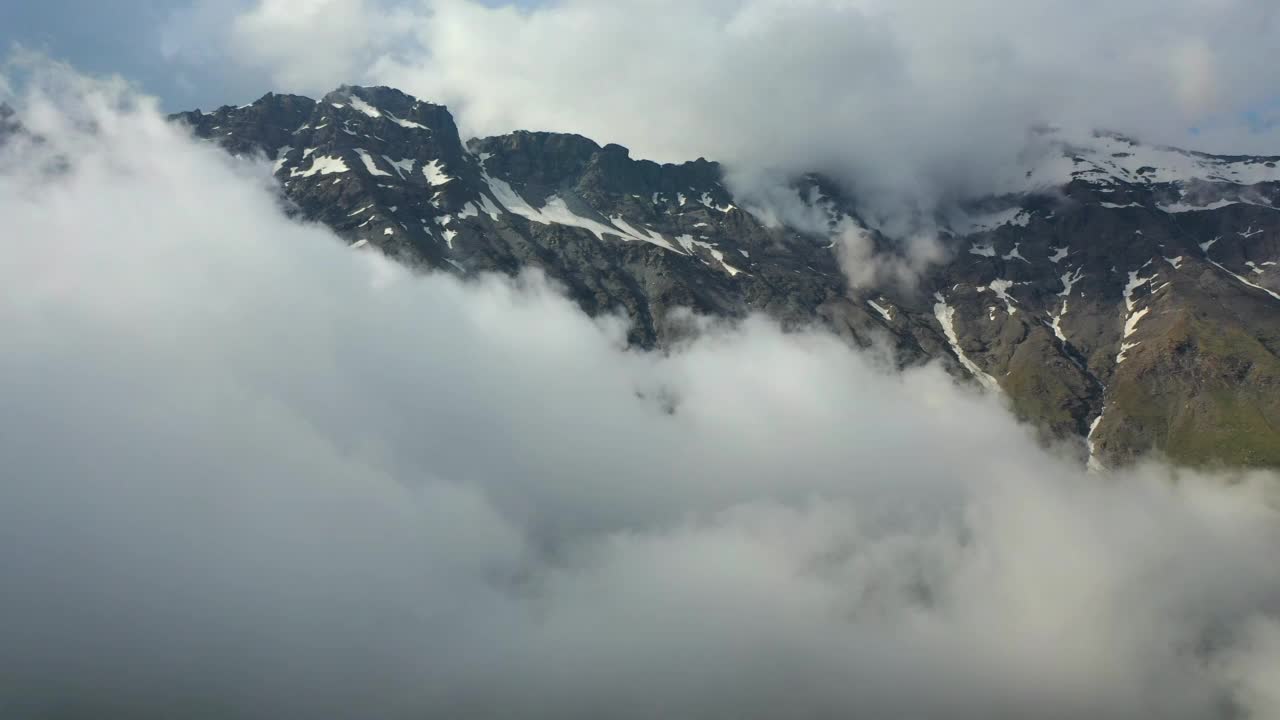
point(921, 94)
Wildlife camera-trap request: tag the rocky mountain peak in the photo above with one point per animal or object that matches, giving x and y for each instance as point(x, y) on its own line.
point(1119, 296)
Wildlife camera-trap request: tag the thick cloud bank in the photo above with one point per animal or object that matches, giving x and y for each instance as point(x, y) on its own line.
point(249, 472)
point(924, 97)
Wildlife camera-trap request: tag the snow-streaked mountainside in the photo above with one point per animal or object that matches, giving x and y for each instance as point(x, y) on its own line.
point(1123, 297)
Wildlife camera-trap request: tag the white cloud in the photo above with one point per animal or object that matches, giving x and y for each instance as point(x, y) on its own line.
point(929, 96)
point(251, 472)
point(316, 44)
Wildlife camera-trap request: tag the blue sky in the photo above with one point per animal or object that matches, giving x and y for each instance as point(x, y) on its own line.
point(125, 37)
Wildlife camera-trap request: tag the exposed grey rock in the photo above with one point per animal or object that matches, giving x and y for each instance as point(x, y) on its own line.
point(1137, 284)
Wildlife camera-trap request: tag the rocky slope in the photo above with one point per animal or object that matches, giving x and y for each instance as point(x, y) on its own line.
point(1124, 296)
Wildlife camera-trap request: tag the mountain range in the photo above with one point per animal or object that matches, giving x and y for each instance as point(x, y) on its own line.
point(1124, 298)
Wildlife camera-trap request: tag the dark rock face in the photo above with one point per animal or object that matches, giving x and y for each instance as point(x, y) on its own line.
point(11, 127)
point(8, 121)
point(1128, 295)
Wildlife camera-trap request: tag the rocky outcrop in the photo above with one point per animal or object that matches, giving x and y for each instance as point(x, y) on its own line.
point(1123, 297)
